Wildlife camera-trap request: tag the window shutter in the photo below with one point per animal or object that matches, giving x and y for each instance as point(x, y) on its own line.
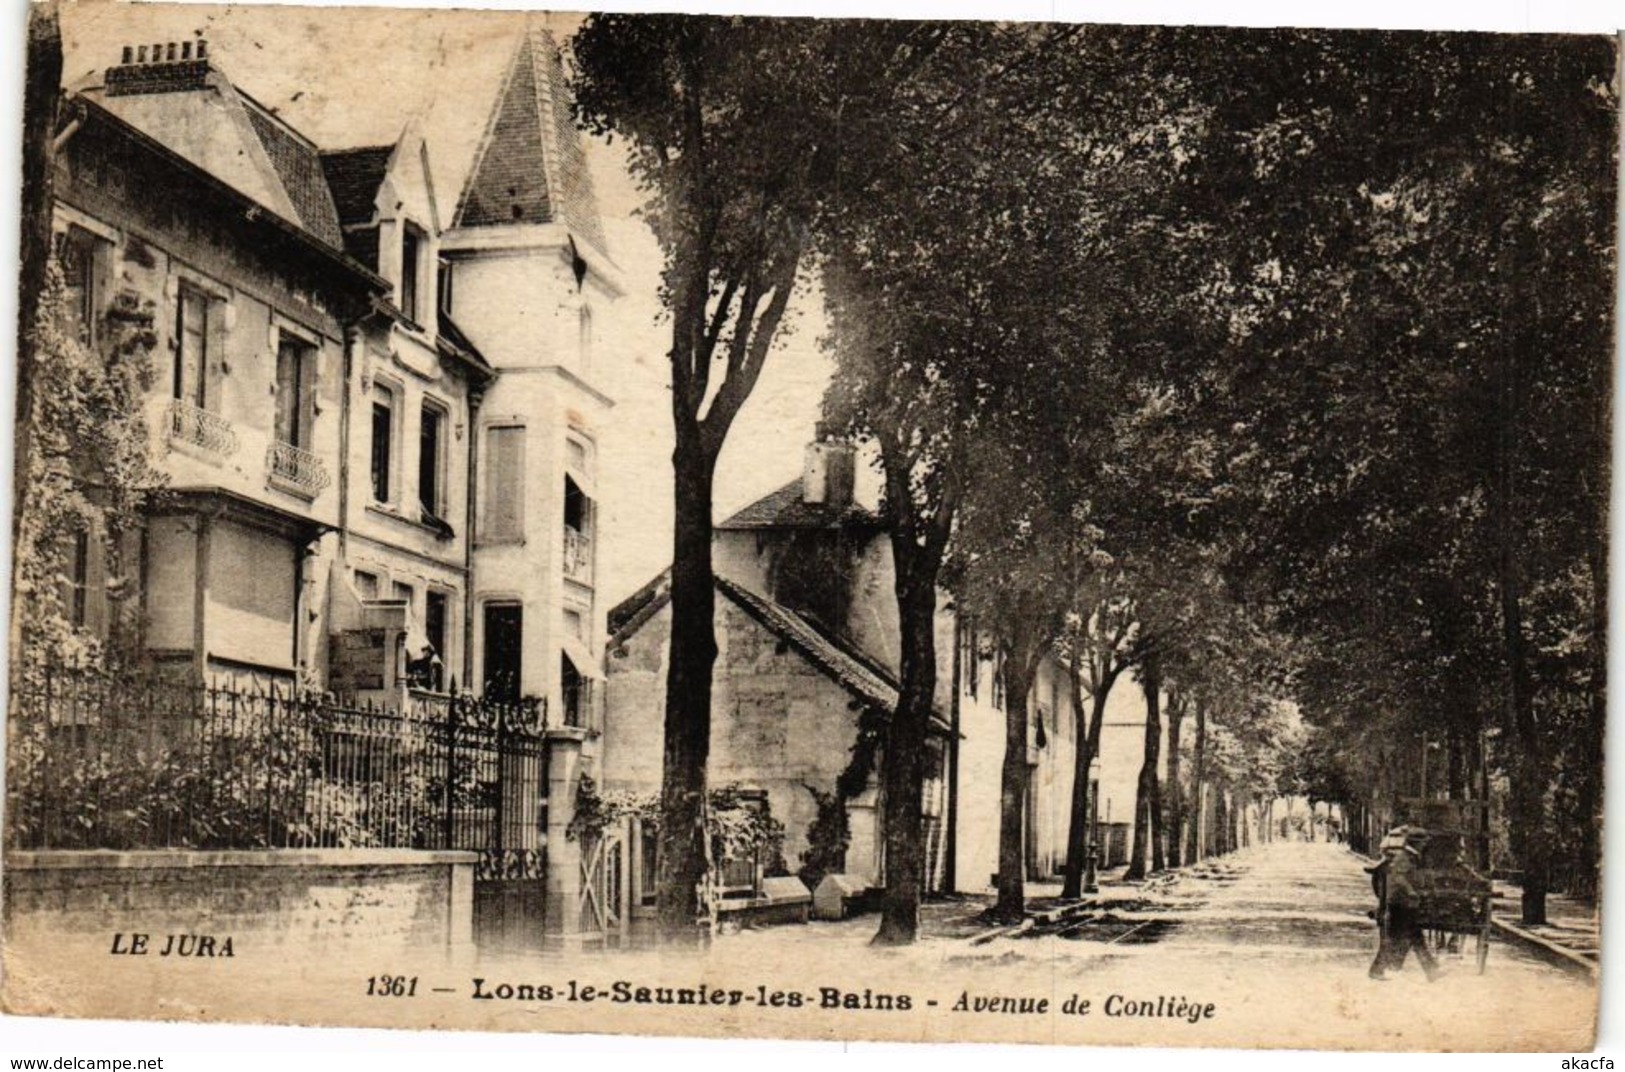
point(504, 483)
point(287, 392)
point(214, 369)
point(102, 284)
point(309, 378)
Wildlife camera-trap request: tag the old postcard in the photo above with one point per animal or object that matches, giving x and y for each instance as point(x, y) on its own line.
point(870, 530)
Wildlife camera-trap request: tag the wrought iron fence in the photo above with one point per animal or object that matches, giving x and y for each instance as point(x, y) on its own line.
point(120, 763)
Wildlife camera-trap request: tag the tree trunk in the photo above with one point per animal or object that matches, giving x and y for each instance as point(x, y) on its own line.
point(1456, 770)
point(902, 774)
point(1591, 760)
point(1530, 842)
point(1145, 793)
point(1221, 821)
point(1154, 824)
point(917, 558)
point(1012, 884)
point(683, 844)
point(1528, 770)
point(1176, 792)
point(1194, 842)
point(1078, 831)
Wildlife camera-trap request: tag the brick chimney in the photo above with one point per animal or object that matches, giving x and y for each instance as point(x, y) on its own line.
point(828, 472)
point(160, 67)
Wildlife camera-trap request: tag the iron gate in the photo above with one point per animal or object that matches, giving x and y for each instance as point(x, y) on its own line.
point(497, 756)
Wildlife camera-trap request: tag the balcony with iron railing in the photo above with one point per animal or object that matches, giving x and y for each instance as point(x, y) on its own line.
point(577, 556)
point(200, 431)
point(295, 470)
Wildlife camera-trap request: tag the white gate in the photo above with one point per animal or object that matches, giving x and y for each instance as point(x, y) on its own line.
point(604, 889)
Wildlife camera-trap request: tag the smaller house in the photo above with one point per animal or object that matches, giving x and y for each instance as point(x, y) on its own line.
point(798, 715)
point(809, 651)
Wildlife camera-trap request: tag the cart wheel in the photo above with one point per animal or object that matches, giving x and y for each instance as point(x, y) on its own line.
point(1483, 948)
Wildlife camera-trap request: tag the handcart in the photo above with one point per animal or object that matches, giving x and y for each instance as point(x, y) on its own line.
point(1453, 899)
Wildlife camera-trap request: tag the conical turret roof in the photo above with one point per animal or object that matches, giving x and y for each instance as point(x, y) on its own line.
point(530, 167)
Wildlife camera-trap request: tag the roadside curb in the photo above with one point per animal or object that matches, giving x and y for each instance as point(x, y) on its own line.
point(1561, 955)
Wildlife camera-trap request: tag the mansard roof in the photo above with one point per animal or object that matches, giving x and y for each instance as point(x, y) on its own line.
point(199, 187)
point(530, 167)
point(298, 167)
point(192, 108)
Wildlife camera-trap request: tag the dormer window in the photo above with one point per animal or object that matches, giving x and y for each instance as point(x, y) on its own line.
point(411, 264)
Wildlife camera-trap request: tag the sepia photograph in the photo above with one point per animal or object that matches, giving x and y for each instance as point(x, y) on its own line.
point(817, 528)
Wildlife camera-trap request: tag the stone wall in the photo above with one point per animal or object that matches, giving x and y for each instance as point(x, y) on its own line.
point(380, 899)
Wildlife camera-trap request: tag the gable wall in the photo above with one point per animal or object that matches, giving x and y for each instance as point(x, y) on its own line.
point(778, 723)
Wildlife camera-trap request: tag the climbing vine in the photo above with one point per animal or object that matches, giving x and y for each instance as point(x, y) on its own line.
point(829, 834)
point(89, 475)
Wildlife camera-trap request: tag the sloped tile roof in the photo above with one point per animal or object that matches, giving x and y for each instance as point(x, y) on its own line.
point(353, 176)
point(785, 509)
point(626, 616)
point(299, 168)
point(362, 244)
point(252, 203)
point(866, 682)
point(577, 202)
point(851, 673)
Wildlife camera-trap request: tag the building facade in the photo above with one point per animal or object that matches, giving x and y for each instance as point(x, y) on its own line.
point(375, 418)
point(374, 413)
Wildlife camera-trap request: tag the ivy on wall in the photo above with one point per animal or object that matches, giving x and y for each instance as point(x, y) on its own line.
point(829, 834)
point(89, 473)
